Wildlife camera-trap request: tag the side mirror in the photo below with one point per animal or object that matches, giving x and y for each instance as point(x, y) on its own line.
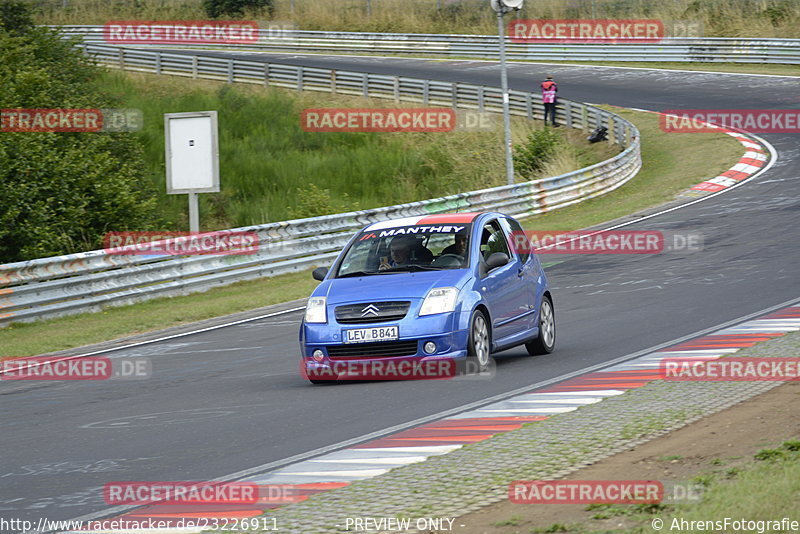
point(497, 259)
point(319, 273)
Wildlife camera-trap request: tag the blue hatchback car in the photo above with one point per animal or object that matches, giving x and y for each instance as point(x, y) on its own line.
point(458, 286)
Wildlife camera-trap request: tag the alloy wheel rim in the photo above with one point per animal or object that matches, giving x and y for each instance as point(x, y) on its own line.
point(548, 326)
point(481, 340)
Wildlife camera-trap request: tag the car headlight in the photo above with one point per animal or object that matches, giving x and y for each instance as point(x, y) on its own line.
point(439, 300)
point(316, 310)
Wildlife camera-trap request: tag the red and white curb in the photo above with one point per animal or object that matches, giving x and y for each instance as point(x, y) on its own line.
point(751, 162)
point(379, 456)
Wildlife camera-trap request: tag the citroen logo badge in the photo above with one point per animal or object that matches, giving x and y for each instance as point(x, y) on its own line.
point(370, 309)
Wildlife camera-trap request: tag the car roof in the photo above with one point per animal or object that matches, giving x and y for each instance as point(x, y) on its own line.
point(441, 218)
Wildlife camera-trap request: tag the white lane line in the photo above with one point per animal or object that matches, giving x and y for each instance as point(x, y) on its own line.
point(532, 411)
point(763, 329)
point(657, 365)
point(361, 473)
point(579, 401)
point(432, 449)
point(700, 353)
point(593, 393)
point(365, 461)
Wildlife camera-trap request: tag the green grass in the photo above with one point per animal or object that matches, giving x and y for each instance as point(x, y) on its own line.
point(672, 163)
point(513, 521)
point(28, 339)
point(268, 164)
point(272, 170)
point(761, 491)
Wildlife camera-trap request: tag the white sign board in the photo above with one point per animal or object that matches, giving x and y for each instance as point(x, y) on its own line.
point(192, 152)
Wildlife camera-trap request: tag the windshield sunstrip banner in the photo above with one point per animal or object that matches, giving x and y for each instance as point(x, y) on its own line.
point(415, 230)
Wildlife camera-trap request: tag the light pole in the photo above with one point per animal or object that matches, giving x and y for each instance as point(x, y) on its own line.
point(502, 7)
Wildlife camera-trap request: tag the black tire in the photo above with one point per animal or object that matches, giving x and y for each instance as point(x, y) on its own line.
point(479, 344)
point(315, 381)
point(321, 378)
point(545, 342)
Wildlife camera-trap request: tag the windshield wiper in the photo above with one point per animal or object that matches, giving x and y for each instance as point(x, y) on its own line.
point(361, 273)
point(412, 268)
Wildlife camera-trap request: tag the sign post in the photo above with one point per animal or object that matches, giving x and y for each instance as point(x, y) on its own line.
point(501, 7)
point(192, 157)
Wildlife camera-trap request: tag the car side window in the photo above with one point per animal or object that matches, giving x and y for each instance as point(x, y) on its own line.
point(520, 243)
point(493, 240)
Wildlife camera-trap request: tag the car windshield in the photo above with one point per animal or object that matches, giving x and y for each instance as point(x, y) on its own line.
point(407, 248)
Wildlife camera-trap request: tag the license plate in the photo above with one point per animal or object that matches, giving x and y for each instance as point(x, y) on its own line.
point(368, 335)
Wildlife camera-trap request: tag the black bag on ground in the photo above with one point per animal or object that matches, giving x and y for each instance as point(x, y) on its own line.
point(599, 134)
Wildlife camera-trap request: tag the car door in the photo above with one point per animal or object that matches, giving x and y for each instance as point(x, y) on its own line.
point(529, 270)
point(500, 287)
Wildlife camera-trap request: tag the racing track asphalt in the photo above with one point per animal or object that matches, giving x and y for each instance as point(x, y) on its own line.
point(231, 399)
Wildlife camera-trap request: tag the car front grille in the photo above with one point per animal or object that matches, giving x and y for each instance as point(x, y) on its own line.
point(383, 349)
point(371, 312)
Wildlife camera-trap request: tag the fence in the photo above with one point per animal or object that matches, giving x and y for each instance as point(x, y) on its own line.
point(727, 50)
point(90, 280)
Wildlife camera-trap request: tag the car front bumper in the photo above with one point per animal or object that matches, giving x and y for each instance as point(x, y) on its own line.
point(451, 343)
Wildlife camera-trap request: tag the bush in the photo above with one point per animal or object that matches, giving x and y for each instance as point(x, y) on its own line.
point(315, 202)
point(60, 192)
point(539, 148)
point(15, 17)
point(235, 8)
point(780, 13)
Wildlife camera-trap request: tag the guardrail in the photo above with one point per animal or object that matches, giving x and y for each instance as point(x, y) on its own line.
point(678, 49)
point(90, 280)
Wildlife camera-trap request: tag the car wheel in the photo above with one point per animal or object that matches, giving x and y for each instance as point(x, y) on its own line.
point(317, 378)
point(316, 381)
point(479, 347)
point(546, 341)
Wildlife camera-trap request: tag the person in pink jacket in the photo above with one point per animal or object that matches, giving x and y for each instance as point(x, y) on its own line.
point(549, 90)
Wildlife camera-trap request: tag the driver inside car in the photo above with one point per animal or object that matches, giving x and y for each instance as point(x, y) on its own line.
point(400, 250)
point(460, 246)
